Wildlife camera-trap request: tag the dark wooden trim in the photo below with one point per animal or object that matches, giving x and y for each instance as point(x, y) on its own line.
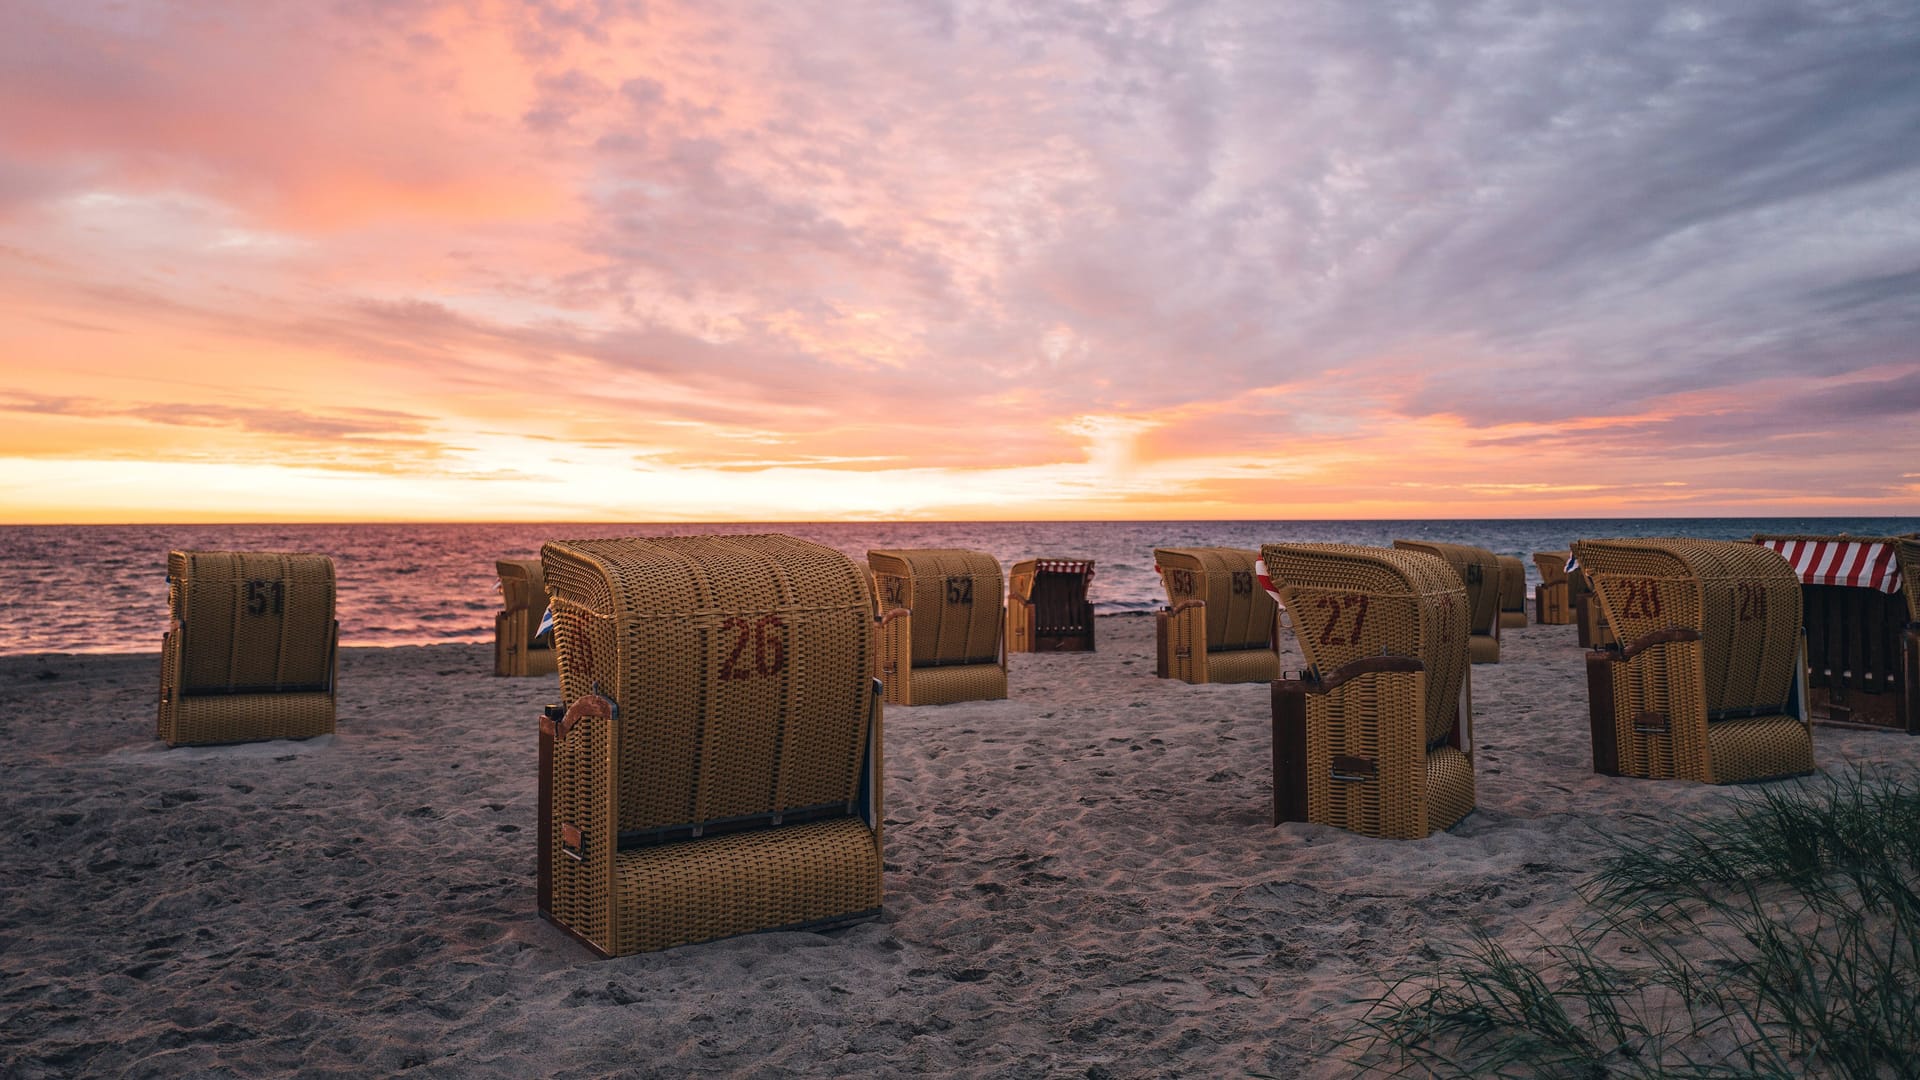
point(1289, 755)
point(1606, 748)
point(1658, 637)
point(543, 814)
point(1310, 683)
point(1160, 644)
point(1348, 767)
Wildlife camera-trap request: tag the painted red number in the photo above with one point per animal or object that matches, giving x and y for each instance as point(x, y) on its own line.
point(1339, 605)
point(1753, 601)
point(1182, 581)
point(1640, 599)
point(769, 650)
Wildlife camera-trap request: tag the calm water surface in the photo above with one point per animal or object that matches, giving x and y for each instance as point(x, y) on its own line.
point(103, 588)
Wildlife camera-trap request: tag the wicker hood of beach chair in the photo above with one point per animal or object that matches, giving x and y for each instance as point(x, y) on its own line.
point(1220, 626)
point(941, 622)
point(1376, 736)
point(1513, 592)
point(715, 767)
point(1047, 606)
point(518, 649)
point(1707, 681)
point(250, 650)
point(1479, 571)
point(1861, 611)
point(1552, 598)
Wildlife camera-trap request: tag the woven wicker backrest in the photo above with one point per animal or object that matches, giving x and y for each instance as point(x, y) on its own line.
point(1743, 598)
point(523, 587)
point(738, 663)
point(1478, 570)
point(954, 595)
point(1240, 614)
point(1513, 584)
point(252, 621)
point(1553, 566)
point(1347, 603)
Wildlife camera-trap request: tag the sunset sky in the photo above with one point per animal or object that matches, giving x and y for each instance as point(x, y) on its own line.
point(654, 261)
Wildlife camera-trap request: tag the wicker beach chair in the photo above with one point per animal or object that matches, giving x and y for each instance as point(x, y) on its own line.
point(1552, 600)
point(940, 626)
point(250, 650)
point(1047, 608)
point(1219, 626)
point(1513, 592)
point(1861, 600)
point(517, 647)
point(716, 767)
point(1708, 681)
point(1479, 571)
point(1376, 735)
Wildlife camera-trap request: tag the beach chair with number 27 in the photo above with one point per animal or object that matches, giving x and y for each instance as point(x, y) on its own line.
point(1376, 735)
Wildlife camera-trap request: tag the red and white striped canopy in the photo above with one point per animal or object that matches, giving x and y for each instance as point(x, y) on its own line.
point(1266, 582)
point(1858, 563)
point(1064, 566)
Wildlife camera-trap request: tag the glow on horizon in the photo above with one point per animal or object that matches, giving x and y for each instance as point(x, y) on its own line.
point(503, 262)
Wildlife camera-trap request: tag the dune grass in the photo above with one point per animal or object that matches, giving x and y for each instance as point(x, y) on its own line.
point(1779, 940)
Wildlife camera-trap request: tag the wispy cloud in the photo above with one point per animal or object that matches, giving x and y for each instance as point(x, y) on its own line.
point(1430, 256)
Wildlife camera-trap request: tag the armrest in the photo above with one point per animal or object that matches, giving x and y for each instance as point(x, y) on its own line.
point(1620, 654)
point(893, 614)
point(1312, 683)
point(1186, 605)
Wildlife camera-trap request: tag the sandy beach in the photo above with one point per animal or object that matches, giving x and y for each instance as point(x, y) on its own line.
point(1080, 881)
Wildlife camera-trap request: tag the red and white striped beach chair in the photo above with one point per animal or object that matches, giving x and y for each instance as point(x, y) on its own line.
point(1862, 618)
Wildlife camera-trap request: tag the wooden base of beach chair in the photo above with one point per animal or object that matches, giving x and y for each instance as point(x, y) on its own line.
point(1408, 795)
point(1550, 606)
point(1649, 720)
point(1594, 633)
point(1180, 651)
point(512, 657)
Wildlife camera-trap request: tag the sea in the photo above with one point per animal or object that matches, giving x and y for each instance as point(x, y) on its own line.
point(103, 588)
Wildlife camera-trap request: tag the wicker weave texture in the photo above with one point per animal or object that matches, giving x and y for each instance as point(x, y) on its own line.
point(941, 626)
point(738, 666)
point(1239, 613)
point(810, 875)
point(1347, 604)
point(523, 601)
point(1744, 601)
point(250, 651)
point(955, 599)
point(1479, 571)
point(1513, 593)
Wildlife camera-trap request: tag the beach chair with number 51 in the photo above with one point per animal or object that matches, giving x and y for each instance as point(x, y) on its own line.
point(250, 651)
